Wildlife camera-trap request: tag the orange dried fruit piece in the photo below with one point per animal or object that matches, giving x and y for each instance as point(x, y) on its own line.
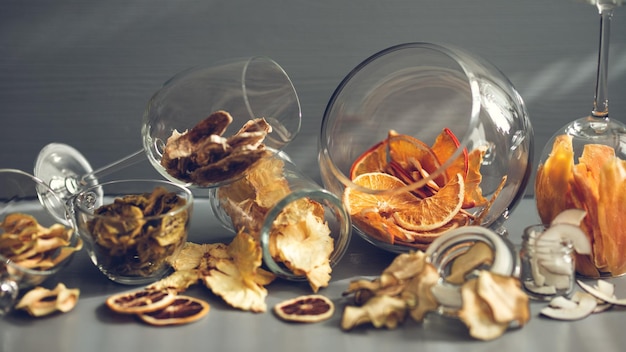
point(140, 301)
point(397, 148)
point(384, 203)
point(611, 221)
point(305, 309)
point(183, 310)
point(433, 212)
point(445, 145)
point(553, 179)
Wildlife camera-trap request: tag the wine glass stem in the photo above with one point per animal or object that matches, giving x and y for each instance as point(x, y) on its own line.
point(125, 162)
point(601, 99)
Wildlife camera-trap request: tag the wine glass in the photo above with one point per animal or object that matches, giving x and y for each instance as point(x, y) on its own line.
point(19, 193)
point(589, 142)
point(410, 96)
point(247, 88)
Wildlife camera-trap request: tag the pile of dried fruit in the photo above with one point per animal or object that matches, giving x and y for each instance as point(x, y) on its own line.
point(203, 156)
point(489, 304)
point(593, 299)
point(417, 217)
point(30, 245)
point(299, 238)
point(596, 183)
point(130, 236)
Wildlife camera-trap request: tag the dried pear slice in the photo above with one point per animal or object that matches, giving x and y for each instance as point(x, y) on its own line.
point(305, 309)
point(183, 310)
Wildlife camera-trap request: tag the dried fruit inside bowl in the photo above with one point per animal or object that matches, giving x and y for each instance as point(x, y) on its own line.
point(132, 239)
point(30, 245)
point(415, 218)
point(595, 183)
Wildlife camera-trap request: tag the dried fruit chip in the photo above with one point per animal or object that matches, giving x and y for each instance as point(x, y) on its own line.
point(41, 301)
point(140, 301)
point(305, 309)
point(433, 212)
point(380, 311)
point(479, 254)
point(183, 310)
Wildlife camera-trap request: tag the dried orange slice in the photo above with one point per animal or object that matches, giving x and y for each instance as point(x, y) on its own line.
point(399, 148)
point(436, 211)
point(140, 301)
point(444, 147)
point(357, 202)
point(183, 310)
point(305, 309)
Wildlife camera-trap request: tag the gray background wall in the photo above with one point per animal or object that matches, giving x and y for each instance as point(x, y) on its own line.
point(81, 72)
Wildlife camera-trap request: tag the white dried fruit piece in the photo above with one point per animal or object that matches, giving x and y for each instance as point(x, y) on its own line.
point(584, 307)
point(41, 301)
point(599, 294)
point(183, 310)
point(305, 309)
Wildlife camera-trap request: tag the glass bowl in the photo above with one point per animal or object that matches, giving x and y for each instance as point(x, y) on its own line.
point(132, 227)
point(430, 116)
point(21, 202)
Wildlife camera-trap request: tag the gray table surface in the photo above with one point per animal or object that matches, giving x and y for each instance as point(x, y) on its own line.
point(91, 326)
point(81, 72)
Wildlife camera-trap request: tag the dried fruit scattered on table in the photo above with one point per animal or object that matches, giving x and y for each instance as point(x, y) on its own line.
point(140, 301)
point(479, 255)
point(239, 279)
point(300, 238)
point(305, 309)
point(203, 156)
point(183, 310)
point(414, 218)
point(129, 244)
point(595, 183)
point(30, 245)
point(40, 301)
point(489, 303)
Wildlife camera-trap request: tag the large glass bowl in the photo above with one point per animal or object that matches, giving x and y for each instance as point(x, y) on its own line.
point(421, 92)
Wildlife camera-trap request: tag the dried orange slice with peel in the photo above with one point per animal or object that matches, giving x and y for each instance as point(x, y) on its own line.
point(140, 301)
point(398, 148)
point(383, 203)
point(183, 310)
point(436, 211)
point(305, 309)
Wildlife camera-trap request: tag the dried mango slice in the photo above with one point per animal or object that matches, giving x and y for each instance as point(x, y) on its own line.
point(611, 221)
point(553, 179)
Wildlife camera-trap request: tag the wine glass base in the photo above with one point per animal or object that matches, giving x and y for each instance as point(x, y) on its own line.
point(61, 167)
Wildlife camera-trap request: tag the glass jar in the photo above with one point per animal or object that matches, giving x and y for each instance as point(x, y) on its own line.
point(445, 249)
point(276, 199)
point(426, 114)
point(547, 265)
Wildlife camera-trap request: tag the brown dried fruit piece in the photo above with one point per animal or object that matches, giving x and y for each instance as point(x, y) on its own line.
point(203, 157)
point(140, 301)
point(183, 310)
point(305, 309)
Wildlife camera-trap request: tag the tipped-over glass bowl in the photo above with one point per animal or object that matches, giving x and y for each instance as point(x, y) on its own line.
point(21, 195)
point(425, 113)
point(131, 228)
point(247, 88)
